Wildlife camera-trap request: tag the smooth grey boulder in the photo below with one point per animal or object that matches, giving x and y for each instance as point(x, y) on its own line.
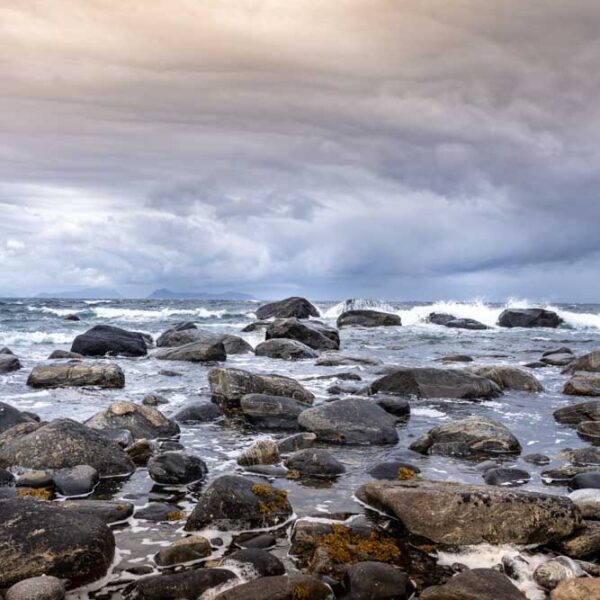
point(336, 359)
point(76, 374)
point(280, 587)
point(262, 562)
point(427, 382)
point(164, 338)
point(284, 349)
point(271, 412)
point(176, 468)
point(476, 584)
point(589, 362)
point(460, 514)
point(510, 378)
point(529, 317)
point(350, 421)
point(439, 318)
point(470, 324)
point(200, 351)
point(394, 470)
point(505, 476)
point(187, 333)
point(314, 334)
point(9, 363)
point(106, 340)
point(314, 462)
point(40, 538)
point(142, 421)
point(299, 308)
point(578, 413)
point(474, 437)
point(198, 412)
point(187, 549)
point(56, 354)
point(76, 481)
point(368, 318)
point(37, 588)
point(232, 502)
point(227, 387)
point(108, 511)
point(64, 443)
point(371, 580)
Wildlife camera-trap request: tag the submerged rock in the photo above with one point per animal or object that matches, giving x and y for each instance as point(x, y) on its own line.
point(40, 538)
point(470, 324)
point(202, 351)
point(227, 387)
point(529, 317)
point(232, 502)
point(271, 412)
point(284, 349)
point(469, 438)
point(76, 374)
point(559, 357)
point(142, 421)
point(56, 354)
point(313, 334)
point(368, 318)
point(426, 382)
point(476, 584)
point(510, 378)
point(336, 359)
point(350, 421)
point(295, 586)
point(176, 468)
point(454, 513)
point(106, 340)
point(297, 307)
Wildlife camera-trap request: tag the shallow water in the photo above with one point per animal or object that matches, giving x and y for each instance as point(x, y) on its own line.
point(34, 328)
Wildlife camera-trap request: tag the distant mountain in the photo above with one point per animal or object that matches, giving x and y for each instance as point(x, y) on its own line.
point(164, 294)
point(84, 294)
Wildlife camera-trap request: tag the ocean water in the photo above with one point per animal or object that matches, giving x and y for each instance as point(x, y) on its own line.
point(33, 328)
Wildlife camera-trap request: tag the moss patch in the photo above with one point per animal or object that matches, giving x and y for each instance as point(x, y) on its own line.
point(404, 474)
point(38, 493)
point(272, 499)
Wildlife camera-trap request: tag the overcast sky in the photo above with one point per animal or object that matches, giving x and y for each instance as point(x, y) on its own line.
point(401, 149)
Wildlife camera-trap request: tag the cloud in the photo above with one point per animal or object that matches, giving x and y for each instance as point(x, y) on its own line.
point(410, 150)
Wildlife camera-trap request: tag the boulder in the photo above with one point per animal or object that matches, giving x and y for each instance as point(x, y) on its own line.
point(142, 421)
point(589, 430)
point(187, 549)
point(371, 580)
point(439, 318)
point(164, 338)
point(72, 317)
point(314, 334)
point(17, 431)
point(64, 443)
point(73, 374)
point(76, 481)
point(588, 362)
point(201, 351)
point(37, 588)
point(10, 416)
point(227, 387)
point(284, 349)
point(510, 378)
point(40, 538)
point(232, 502)
point(583, 543)
point(459, 514)
point(455, 358)
point(234, 344)
point(108, 511)
point(394, 470)
point(300, 308)
point(585, 588)
point(367, 318)
point(350, 421)
point(476, 584)
point(549, 574)
point(583, 481)
point(295, 586)
point(335, 359)
point(559, 357)
point(141, 451)
point(582, 456)
point(154, 400)
point(198, 412)
point(261, 452)
point(529, 317)
point(9, 363)
point(158, 512)
point(470, 324)
point(106, 340)
point(578, 413)
point(587, 501)
point(56, 354)
point(474, 437)
point(506, 476)
point(263, 563)
point(271, 412)
point(299, 441)
point(426, 382)
point(256, 326)
point(583, 383)
point(314, 462)
point(176, 468)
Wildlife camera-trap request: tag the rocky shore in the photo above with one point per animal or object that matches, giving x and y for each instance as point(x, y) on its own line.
point(232, 532)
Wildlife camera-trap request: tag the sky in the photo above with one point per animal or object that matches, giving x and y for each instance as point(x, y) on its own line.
point(394, 149)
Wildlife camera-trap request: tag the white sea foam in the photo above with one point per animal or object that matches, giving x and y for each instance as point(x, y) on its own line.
point(8, 338)
point(135, 314)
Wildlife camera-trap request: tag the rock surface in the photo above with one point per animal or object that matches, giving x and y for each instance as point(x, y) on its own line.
point(106, 340)
point(272, 412)
point(76, 374)
point(588, 362)
point(9, 363)
point(314, 462)
point(202, 351)
point(470, 324)
point(296, 586)
point(313, 334)
point(191, 548)
point(578, 413)
point(284, 349)
point(176, 468)
point(372, 580)
point(529, 317)
point(368, 318)
point(577, 589)
point(583, 384)
point(37, 588)
point(297, 307)
point(510, 378)
point(198, 412)
point(477, 584)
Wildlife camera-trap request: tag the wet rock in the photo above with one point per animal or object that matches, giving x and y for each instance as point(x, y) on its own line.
point(470, 324)
point(439, 318)
point(583, 456)
point(140, 452)
point(299, 441)
point(229, 385)
point(201, 351)
point(559, 357)
point(314, 462)
point(469, 438)
point(368, 318)
point(72, 317)
point(577, 413)
point(234, 344)
point(425, 382)
point(510, 378)
point(63, 443)
point(350, 421)
point(475, 584)
point(198, 412)
point(36, 479)
point(399, 407)
point(40, 538)
point(142, 421)
point(454, 513)
point(262, 541)
point(256, 326)
point(529, 317)
point(169, 445)
point(583, 384)
point(169, 373)
point(372, 580)
point(335, 359)
point(106, 340)
point(271, 412)
point(108, 511)
point(176, 468)
point(455, 358)
point(169, 337)
point(123, 437)
point(577, 589)
point(188, 549)
point(344, 388)
point(76, 374)
point(506, 476)
point(76, 481)
point(281, 587)
point(394, 470)
point(284, 349)
point(6, 478)
point(270, 471)
point(563, 474)
point(589, 430)
point(10, 416)
point(159, 511)
point(587, 501)
point(238, 503)
point(314, 334)
point(290, 307)
point(262, 562)
point(176, 586)
point(260, 452)
point(536, 364)
point(154, 400)
point(9, 363)
point(588, 362)
point(549, 574)
point(585, 481)
point(536, 459)
point(37, 588)
point(584, 542)
point(6, 350)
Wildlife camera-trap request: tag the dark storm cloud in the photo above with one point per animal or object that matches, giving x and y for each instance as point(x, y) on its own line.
point(403, 149)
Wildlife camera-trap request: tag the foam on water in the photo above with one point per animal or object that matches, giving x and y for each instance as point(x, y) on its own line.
point(8, 338)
